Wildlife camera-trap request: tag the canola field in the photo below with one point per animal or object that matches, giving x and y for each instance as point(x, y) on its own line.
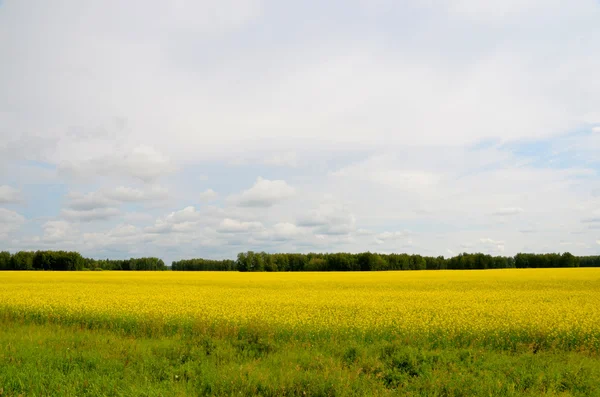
point(557, 308)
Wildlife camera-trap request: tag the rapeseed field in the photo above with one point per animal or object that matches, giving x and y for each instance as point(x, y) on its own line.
point(552, 308)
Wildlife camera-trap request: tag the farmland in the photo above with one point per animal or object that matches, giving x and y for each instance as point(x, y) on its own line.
point(523, 331)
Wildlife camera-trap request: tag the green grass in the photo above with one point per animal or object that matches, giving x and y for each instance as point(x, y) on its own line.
point(61, 360)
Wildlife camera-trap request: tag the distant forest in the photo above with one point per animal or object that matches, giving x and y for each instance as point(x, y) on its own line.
point(367, 261)
point(69, 260)
point(263, 262)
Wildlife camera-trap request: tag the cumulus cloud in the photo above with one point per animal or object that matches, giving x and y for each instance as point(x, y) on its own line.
point(142, 162)
point(331, 217)
point(9, 194)
point(8, 216)
point(125, 230)
point(137, 217)
point(181, 221)
point(88, 201)
point(9, 221)
point(234, 226)
point(145, 163)
point(285, 230)
point(491, 245)
point(280, 232)
point(113, 197)
point(188, 214)
point(89, 215)
point(57, 231)
point(264, 193)
point(128, 194)
point(208, 195)
point(386, 237)
point(121, 238)
point(104, 204)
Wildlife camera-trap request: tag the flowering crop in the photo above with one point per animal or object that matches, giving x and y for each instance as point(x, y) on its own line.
point(559, 307)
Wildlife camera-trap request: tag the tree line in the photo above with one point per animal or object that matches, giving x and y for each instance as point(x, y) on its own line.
point(204, 264)
point(367, 261)
point(261, 261)
point(70, 260)
point(251, 261)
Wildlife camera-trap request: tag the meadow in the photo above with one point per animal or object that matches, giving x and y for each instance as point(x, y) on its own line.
point(492, 332)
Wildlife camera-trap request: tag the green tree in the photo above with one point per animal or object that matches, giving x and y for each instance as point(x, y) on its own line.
point(4, 260)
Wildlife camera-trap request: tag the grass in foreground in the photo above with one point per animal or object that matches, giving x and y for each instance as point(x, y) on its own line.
point(52, 360)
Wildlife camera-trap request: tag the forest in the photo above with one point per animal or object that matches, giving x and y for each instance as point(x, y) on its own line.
point(70, 260)
point(291, 262)
point(251, 261)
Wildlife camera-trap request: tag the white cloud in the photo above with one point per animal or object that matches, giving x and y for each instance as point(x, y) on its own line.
point(8, 216)
point(142, 162)
point(146, 163)
point(508, 211)
point(272, 158)
point(88, 215)
point(9, 221)
point(113, 197)
point(434, 133)
point(234, 226)
point(594, 219)
point(455, 90)
point(160, 227)
point(286, 159)
point(574, 244)
point(527, 231)
point(57, 231)
point(285, 230)
point(188, 214)
point(123, 237)
point(264, 193)
point(331, 217)
point(128, 194)
point(9, 194)
point(125, 230)
point(491, 245)
point(393, 235)
point(282, 231)
point(387, 237)
point(384, 170)
point(500, 11)
point(208, 195)
point(137, 217)
point(181, 221)
point(88, 201)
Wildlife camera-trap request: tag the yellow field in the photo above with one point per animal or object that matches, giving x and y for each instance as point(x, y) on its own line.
point(554, 305)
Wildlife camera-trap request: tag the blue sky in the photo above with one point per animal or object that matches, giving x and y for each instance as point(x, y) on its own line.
point(205, 128)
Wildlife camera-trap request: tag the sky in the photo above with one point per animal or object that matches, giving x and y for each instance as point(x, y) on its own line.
point(205, 128)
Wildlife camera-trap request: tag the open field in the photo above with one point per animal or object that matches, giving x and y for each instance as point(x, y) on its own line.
point(526, 331)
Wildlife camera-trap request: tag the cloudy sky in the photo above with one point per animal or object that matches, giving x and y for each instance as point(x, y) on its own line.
point(204, 128)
